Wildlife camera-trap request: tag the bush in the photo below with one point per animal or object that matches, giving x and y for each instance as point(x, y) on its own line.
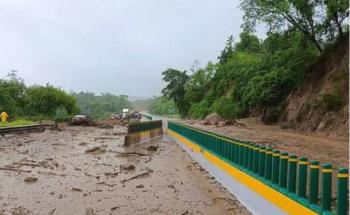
point(330, 102)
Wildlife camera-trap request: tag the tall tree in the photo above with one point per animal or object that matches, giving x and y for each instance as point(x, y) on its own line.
point(175, 88)
point(308, 16)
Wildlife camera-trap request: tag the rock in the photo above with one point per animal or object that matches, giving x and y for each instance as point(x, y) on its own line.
point(83, 143)
point(206, 123)
point(127, 167)
point(30, 179)
point(213, 118)
point(140, 186)
point(115, 208)
point(20, 211)
point(76, 189)
point(152, 148)
point(221, 123)
point(90, 211)
point(95, 150)
point(104, 126)
point(230, 122)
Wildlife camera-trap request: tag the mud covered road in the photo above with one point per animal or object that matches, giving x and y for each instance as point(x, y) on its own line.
point(86, 170)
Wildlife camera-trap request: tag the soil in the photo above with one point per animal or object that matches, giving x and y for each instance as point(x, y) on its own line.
point(314, 146)
point(51, 173)
point(328, 76)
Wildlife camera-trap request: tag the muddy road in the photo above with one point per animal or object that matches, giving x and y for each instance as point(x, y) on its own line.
point(86, 170)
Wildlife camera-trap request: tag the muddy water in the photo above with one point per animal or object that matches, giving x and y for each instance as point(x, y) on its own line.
point(51, 173)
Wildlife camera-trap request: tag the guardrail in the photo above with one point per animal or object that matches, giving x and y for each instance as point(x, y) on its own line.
point(147, 116)
point(284, 172)
point(134, 127)
point(16, 129)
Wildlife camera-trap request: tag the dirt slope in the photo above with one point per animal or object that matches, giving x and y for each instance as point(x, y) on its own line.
point(321, 104)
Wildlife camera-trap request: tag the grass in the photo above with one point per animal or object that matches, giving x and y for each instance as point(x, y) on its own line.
point(18, 122)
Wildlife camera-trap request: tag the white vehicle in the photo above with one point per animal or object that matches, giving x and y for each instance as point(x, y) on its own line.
point(125, 112)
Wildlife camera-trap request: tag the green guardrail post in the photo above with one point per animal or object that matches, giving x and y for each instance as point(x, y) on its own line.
point(342, 191)
point(275, 166)
point(256, 159)
point(234, 159)
point(283, 170)
point(244, 150)
point(292, 173)
point(314, 182)
point(238, 153)
point(302, 177)
point(232, 152)
point(268, 163)
point(250, 156)
point(240, 150)
point(262, 161)
point(246, 154)
point(326, 192)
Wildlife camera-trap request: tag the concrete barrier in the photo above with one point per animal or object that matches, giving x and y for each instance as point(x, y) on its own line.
point(143, 131)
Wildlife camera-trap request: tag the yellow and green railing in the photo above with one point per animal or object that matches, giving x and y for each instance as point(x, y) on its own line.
point(296, 178)
point(147, 116)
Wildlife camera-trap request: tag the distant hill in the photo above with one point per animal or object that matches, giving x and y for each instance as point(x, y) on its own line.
point(134, 98)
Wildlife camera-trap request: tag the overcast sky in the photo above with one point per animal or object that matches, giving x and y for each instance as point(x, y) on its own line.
point(116, 46)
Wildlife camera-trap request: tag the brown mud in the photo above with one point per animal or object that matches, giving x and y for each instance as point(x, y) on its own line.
point(79, 170)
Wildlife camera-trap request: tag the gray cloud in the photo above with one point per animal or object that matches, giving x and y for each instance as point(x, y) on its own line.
point(117, 46)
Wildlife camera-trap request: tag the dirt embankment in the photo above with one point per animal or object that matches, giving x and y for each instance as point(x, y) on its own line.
point(87, 171)
point(321, 103)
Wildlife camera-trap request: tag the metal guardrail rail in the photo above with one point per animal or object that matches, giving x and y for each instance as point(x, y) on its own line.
point(296, 178)
point(135, 127)
point(147, 116)
point(16, 129)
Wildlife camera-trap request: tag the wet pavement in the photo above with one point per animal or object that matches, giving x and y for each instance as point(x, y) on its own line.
point(86, 170)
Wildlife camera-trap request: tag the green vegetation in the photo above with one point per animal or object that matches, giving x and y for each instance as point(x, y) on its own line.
point(48, 102)
point(101, 106)
point(329, 102)
point(162, 106)
point(19, 122)
point(254, 74)
point(142, 105)
point(21, 101)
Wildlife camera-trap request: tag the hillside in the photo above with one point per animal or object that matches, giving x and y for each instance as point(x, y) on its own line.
point(321, 103)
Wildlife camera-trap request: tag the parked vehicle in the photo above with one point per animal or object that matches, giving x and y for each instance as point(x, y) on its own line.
point(82, 120)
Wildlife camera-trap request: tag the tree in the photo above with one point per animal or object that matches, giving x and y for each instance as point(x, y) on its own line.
point(228, 50)
point(337, 11)
point(162, 106)
point(46, 100)
point(103, 105)
point(175, 88)
point(308, 16)
point(199, 82)
point(12, 90)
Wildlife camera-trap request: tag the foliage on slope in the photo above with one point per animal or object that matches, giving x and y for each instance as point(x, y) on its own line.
point(253, 75)
point(101, 105)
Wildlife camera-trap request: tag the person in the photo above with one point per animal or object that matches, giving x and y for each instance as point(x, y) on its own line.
point(4, 116)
